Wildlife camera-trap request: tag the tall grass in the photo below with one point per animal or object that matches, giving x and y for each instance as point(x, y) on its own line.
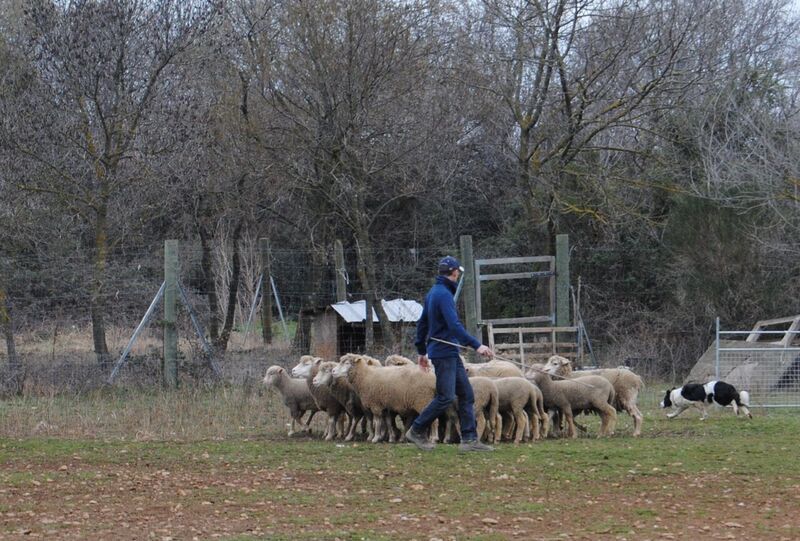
point(187, 414)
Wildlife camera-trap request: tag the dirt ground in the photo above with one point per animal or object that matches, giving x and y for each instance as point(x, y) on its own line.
point(177, 501)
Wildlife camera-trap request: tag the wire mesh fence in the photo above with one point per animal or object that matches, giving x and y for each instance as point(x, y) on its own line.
point(49, 297)
point(769, 371)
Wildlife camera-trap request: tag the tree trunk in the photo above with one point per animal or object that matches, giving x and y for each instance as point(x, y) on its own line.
point(14, 364)
point(207, 266)
point(369, 296)
point(97, 287)
point(221, 344)
point(367, 275)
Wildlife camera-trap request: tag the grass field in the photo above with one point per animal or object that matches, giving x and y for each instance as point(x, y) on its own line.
point(216, 464)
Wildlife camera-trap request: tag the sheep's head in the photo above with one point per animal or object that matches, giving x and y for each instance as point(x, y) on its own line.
point(558, 366)
point(341, 370)
point(371, 361)
point(470, 371)
point(398, 360)
point(274, 373)
point(303, 367)
point(324, 375)
point(347, 356)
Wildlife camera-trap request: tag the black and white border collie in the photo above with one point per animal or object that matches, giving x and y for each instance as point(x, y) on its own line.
point(697, 394)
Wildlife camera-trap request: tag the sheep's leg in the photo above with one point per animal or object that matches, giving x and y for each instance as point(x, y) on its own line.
point(341, 429)
point(480, 424)
point(308, 421)
point(634, 412)
point(608, 421)
point(521, 420)
point(368, 425)
point(568, 417)
point(354, 420)
point(377, 421)
point(330, 430)
point(510, 426)
point(389, 423)
point(533, 422)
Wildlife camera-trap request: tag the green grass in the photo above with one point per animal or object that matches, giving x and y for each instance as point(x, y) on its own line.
point(238, 436)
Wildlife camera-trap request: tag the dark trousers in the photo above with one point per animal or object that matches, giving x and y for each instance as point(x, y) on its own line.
point(451, 383)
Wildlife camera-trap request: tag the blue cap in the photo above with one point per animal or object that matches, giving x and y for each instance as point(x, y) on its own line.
point(448, 264)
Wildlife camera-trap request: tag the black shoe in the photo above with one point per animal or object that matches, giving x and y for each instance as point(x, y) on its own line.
point(422, 443)
point(474, 445)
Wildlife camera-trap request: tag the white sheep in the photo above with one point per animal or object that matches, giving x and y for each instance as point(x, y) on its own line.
point(296, 396)
point(588, 393)
point(308, 367)
point(493, 369)
point(485, 408)
point(398, 360)
point(627, 386)
point(523, 404)
point(343, 391)
point(400, 389)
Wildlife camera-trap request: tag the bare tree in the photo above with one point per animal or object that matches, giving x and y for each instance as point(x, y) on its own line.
point(101, 65)
point(351, 82)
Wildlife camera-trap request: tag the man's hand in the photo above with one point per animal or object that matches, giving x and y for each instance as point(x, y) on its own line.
point(484, 351)
point(424, 365)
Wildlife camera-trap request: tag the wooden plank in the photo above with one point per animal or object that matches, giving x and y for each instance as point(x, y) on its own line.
point(516, 275)
point(470, 307)
point(508, 321)
point(529, 345)
point(767, 322)
point(512, 260)
point(791, 333)
point(562, 280)
point(536, 356)
point(754, 334)
point(533, 330)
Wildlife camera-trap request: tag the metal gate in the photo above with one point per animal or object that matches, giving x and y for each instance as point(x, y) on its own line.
point(764, 363)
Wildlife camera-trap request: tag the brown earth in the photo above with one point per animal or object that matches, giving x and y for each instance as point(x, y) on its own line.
point(139, 500)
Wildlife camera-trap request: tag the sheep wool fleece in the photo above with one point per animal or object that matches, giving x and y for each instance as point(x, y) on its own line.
point(439, 319)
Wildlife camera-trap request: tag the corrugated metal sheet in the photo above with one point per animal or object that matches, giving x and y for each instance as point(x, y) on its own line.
point(396, 310)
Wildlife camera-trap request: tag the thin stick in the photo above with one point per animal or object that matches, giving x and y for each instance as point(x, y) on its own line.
point(499, 358)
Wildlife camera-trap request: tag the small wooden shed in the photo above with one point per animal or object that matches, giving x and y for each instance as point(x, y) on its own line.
point(340, 328)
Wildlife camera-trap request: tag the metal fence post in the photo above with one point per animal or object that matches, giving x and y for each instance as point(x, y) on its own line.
point(716, 353)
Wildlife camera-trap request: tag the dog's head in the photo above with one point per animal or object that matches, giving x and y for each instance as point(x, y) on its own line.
point(667, 402)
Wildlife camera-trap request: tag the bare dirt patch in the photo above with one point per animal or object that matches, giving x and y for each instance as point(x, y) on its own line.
point(201, 500)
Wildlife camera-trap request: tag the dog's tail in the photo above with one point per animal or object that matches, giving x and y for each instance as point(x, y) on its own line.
point(744, 398)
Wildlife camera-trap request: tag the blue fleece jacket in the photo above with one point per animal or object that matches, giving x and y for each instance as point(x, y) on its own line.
point(439, 319)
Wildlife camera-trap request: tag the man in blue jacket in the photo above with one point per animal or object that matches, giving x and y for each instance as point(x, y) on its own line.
point(439, 320)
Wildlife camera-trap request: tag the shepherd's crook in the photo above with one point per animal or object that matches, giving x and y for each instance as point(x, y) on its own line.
point(499, 358)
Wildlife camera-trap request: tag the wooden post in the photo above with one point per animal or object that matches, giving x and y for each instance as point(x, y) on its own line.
point(341, 284)
point(266, 287)
point(170, 363)
point(562, 280)
point(470, 306)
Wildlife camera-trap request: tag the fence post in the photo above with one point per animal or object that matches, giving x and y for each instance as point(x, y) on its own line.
point(266, 298)
point(562, 280)
point(470, 306)
point(170, 364)
point(341, 283)
point(716, 353)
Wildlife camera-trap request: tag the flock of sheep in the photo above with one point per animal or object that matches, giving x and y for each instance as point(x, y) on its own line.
point(359, 393)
